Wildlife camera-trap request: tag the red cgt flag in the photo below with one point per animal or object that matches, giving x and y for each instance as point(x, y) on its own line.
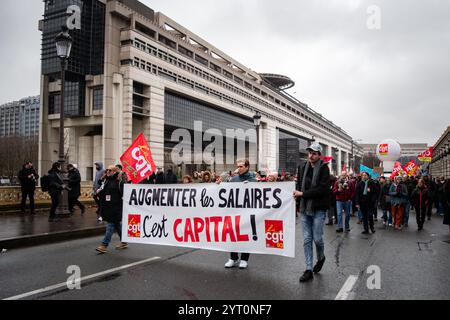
point(411, 168)
point(397, 170)
point(137, 160)
point(427, 155)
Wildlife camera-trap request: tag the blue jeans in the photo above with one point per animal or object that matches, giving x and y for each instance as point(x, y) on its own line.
point(385, 216)
point(110, 228)
point(347, 207)
point(313, 230)
point(406, 212)
point(360, 215)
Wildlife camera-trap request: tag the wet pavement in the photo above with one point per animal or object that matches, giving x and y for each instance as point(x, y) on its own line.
point(17, 230)
point(411, 264)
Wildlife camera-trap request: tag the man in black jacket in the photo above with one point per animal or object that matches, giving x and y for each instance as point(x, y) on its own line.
point(74, 188)
point(366, 197)
point(111, 197)
point(28, 177)
point(431, 186)
point(313, 191)
point(56, 185)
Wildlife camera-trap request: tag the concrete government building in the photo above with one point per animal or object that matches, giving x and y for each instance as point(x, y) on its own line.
point(134, 70)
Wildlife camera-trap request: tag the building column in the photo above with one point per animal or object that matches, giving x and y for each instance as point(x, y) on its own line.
point(127, 115)
point(268, 146)
point(347, 161)
point(154, 128)
point(339, 162)
point(85, 157)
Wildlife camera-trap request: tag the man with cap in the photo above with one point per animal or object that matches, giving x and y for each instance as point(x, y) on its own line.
point(313, 191)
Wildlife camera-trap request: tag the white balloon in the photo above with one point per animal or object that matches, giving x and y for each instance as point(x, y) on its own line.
point(388, 150)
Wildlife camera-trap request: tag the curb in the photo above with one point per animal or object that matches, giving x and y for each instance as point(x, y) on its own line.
point(46, 238)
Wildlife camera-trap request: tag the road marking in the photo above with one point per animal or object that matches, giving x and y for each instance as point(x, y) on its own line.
point(64, 284)
point(346, 288)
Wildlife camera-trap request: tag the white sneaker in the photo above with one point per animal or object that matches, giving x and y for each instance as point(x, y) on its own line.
point(100, 219)
point(243, 264)
point(231, 263)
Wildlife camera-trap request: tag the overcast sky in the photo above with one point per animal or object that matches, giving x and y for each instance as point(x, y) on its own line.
point(375, 78)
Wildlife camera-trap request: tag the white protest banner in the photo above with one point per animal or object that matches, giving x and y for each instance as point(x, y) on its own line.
point(240, 217)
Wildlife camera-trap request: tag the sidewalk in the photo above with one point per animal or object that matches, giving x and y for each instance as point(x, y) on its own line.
point(24, 230)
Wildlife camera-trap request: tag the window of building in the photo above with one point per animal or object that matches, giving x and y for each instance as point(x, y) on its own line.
point(97, 98)
point(147, 31)
point(167, 42)
point(201, 60)
point(185, 51)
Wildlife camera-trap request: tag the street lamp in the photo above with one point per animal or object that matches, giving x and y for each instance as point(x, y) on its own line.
point(257, 122)
point(352, 166)
point(63, 43)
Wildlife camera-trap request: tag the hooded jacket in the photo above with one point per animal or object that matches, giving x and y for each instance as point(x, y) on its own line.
point(98, 176)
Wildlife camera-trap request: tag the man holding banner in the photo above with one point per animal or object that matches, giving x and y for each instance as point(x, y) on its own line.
point(313, 181)
point(244, 175)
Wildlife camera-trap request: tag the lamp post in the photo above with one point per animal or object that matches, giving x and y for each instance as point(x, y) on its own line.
point(63, 43)
point(352, 166)
point(257, 122)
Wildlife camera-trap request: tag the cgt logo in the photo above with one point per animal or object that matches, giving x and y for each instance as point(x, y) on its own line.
point(134, 225)
point(274, 234)
point(384, 149)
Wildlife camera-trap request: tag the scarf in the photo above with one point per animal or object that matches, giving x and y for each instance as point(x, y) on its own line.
point(366, 185)
point(306, 205)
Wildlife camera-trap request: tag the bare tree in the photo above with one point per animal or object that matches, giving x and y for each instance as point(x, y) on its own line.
point(15, 151)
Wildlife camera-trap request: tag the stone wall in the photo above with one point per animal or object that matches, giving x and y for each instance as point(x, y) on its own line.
point(11, 195)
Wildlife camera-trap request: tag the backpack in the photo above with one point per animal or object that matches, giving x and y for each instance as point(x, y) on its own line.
point(45, 183)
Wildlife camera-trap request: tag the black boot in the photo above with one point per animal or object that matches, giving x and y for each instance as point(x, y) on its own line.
point(307, 276)
point(319, 265)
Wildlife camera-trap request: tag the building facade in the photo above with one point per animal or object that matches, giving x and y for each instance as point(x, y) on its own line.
point(20, 118)
point(134, 70)
point(440, 165)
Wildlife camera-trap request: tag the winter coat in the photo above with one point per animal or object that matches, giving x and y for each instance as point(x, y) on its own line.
point(160, 178)
point(248, 176)
point(447, 202)
point(345, 194)
point(55, 182)
point(170, 177)
point(399, 194)
point(74, 183)
point(111, 199)
point(25, 182)
point(98, 177)
point(385, 198)
point(366, 201)
point(419, 199)
point(320, 194)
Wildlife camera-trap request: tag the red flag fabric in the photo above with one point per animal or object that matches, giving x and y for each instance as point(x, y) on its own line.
point(326, 159)
point(137, 160)
point(427, 155)
point(397, 170)
point(344, 168)
point(410, 168)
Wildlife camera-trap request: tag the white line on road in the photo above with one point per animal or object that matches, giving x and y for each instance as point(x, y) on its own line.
point(64, 284)
point(346, 288)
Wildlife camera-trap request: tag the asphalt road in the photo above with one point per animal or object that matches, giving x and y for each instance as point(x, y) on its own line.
point(411, 265)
